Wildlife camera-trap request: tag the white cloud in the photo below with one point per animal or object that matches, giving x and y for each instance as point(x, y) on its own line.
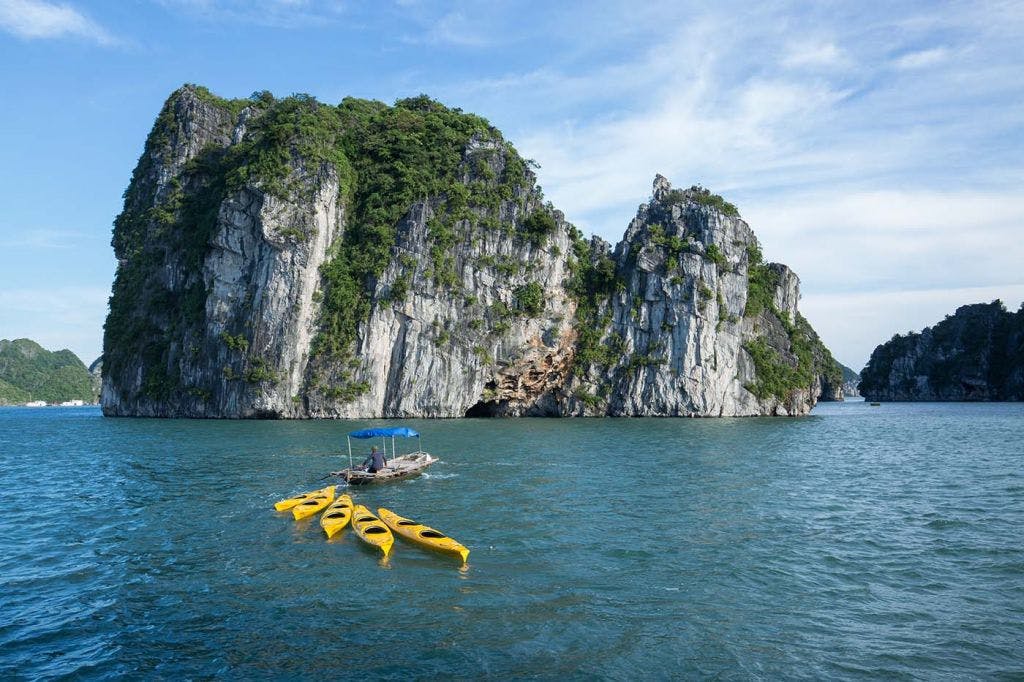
point(922, 58)
point(34, 19)
point(814, 54)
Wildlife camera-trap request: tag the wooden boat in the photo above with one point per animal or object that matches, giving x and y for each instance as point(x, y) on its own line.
point(288, 503)
point(370, 529)
point(402, 466)
point(395, 467)
point(313, 504)
point(337, 515)
point(424, 536)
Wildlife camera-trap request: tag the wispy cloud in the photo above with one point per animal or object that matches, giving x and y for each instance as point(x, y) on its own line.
point(41, 238)
point(455, 28)
point(814, 54)
point(36, 19)
point(922, 58)
point(290, 14)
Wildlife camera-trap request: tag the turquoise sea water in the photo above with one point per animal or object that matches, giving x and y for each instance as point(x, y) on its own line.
point(856, 543)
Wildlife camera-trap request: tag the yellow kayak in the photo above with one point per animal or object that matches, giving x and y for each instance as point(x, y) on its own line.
point(314, 503)
point(425, 536)
point(337, 515)
point(370, 530)
point(286, 504)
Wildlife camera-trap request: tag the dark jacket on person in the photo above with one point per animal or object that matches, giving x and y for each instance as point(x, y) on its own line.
point(375, 462)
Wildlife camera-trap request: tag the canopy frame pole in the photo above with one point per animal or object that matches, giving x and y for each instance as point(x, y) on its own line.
point(392, 448)
point(419, 445)
point(349, 452)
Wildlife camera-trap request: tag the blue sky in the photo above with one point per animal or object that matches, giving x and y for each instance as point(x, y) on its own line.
point(876, 148)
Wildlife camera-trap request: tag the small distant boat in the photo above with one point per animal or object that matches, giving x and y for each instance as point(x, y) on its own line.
point(337, 516)
point(424, 536)
point(370, 530)
point(289, 502)
point(400, 466)
point(313, 504)
point(875, 404)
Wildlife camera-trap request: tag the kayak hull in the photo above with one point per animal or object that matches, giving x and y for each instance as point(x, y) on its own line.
point(313, 504)
point(337, 516)
point(422, 535)
point(290, 502)
point(371, 530)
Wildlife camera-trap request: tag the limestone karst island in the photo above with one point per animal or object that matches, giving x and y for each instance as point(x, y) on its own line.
point(286, 258)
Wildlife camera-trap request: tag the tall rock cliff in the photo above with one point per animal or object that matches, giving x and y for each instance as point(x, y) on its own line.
point(976, 354)
point(286, 258)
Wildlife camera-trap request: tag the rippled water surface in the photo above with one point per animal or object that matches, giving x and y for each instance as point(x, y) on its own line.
point(858, 542)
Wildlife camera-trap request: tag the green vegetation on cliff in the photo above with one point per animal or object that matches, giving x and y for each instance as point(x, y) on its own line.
point(704, 197)
point(593, 280)
point(775, 376)
point(779, 378)
point(400, 155)
point(30, 372)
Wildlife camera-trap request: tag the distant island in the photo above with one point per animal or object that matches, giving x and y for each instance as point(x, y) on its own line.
point(976, 354)
point(851, 380)
point(31, 374)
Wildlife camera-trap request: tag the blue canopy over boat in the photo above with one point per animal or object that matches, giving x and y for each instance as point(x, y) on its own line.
point(393, 432)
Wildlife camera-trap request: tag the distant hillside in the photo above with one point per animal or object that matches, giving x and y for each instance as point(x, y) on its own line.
point(975, 354)
point(850, 381)
point(30, 372)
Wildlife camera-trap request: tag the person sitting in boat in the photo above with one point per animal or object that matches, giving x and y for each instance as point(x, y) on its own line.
point(375, 462)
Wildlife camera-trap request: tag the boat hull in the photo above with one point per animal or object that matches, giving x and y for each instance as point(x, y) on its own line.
point(404, 466)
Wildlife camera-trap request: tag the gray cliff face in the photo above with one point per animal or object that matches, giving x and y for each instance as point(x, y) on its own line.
point(258, 277)
point(218, 306)
point(678, 324)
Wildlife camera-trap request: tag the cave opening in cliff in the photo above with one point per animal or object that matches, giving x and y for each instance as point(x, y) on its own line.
point(483, 409)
